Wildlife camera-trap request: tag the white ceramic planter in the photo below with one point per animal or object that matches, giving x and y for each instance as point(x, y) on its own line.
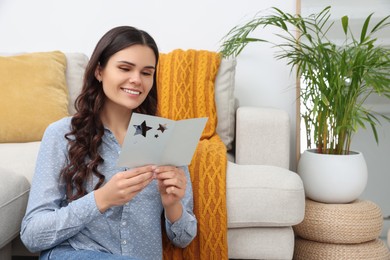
point(333, 178)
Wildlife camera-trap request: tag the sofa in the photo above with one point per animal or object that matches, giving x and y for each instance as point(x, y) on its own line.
point(264, 198)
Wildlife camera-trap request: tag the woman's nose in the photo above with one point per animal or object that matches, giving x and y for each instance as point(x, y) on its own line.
point(135, 78)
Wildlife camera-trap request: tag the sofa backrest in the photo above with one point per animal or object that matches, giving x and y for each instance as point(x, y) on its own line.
point(224, 92)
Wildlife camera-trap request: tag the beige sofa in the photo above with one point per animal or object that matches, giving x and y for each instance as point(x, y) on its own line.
point(264, 198)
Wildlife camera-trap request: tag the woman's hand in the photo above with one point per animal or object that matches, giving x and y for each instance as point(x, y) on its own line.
point(172, 185)
point(123, 186)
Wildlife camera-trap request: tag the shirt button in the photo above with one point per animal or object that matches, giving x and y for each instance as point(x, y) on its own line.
point(124, 223)
point(124, 242)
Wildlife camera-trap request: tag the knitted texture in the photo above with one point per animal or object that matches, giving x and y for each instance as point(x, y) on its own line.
point(185, 81)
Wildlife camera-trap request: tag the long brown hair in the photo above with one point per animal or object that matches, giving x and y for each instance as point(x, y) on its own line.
point(87, 129)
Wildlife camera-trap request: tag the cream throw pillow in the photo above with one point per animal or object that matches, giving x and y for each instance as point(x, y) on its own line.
point(33, 95)
point(225, 101)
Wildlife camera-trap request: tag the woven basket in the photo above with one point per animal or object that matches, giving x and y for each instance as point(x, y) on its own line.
point(310, 250)
point(356, 222)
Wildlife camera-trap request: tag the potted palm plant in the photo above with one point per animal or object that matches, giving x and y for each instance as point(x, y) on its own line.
point(336, 79)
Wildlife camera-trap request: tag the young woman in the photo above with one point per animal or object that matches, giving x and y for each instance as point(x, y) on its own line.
point(81, 205)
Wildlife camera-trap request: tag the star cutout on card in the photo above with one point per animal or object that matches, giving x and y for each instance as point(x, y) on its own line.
point(162, 128)
point(141, 129)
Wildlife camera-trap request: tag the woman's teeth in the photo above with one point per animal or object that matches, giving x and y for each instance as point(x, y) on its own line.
point(133, 92)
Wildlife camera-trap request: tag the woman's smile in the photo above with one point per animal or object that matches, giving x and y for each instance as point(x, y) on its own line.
point(131, 92)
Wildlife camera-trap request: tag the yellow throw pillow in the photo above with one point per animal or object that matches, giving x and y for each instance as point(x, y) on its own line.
point(33, 94)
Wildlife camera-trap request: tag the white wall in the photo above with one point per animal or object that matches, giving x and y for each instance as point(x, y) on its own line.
point(76, 26)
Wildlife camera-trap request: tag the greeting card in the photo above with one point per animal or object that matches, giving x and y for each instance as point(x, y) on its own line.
point(160, 141)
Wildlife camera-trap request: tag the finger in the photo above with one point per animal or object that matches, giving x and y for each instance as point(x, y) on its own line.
point(180, 183)
point(139, 170)
point(139, 179)
point(165, 168)
point(174, 182)
point(166, 173)
point(138, 183)
point(126, 183)
point(171, 190)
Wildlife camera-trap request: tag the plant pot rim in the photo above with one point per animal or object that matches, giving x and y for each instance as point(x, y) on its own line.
point(351, 152)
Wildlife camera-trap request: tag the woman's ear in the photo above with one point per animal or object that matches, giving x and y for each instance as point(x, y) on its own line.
point(98, 75)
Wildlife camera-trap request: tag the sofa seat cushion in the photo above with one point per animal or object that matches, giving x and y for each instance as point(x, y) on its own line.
point(14, 190)
point(263, 196)
point(19, 158)
point(259, 243)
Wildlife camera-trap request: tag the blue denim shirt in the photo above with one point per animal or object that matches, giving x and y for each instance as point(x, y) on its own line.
point(133, 229)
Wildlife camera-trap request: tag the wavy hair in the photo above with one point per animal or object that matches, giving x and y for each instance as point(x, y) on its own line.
point(87, 129)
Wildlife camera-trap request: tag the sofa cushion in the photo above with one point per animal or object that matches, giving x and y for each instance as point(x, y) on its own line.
point(14, 190)
point(76, 64)
point(261, 243)
point(225, 101)
point(263, 196)
point(33, 94)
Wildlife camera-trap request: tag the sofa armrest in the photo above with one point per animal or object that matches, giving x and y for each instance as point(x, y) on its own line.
point(19, 158)
point(262, 136)
point(14, 189)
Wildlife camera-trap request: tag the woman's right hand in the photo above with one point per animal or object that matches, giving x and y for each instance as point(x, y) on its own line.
point(123, 186)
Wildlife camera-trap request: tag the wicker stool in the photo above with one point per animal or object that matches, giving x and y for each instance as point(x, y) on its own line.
point(356, 222)
point(340, 231)
point(311, 250)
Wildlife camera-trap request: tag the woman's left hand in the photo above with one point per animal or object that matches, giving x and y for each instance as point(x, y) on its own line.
point(172, 185)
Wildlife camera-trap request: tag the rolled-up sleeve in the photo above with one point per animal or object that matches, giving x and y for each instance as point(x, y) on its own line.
point(184, 230)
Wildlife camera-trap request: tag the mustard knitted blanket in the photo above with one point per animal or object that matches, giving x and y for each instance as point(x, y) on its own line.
point(185, 81)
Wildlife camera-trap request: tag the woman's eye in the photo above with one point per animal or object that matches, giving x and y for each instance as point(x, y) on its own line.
point(124, 68)
point(147, 73)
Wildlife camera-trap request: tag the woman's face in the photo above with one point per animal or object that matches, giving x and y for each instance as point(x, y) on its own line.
point(128, 77)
